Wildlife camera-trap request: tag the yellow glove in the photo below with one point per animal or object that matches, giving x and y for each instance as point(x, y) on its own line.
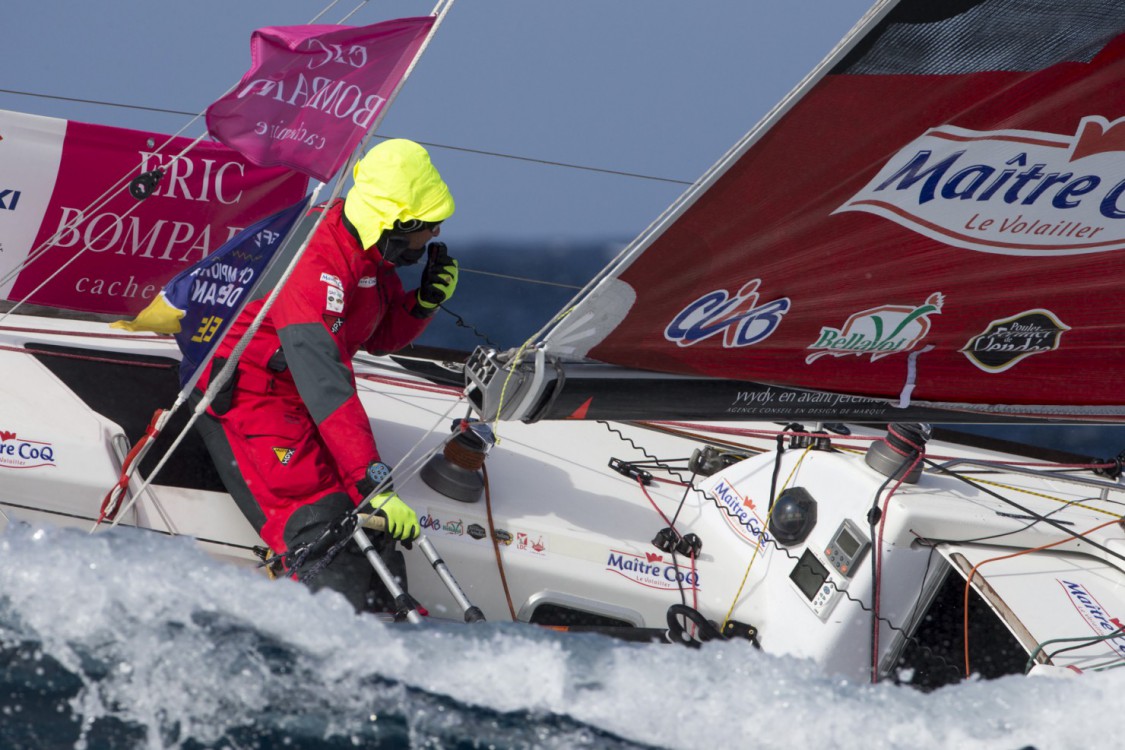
point(439, 278)
point(402, 521)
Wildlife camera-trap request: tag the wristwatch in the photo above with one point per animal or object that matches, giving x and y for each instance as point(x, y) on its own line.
point(377, 477)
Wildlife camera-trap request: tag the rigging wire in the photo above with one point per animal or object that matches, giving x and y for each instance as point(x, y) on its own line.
point(877, 617)
point(575, 287)
point(926, 650)
point(693, 583)
point(877, 516)
point(227, 371)
point(1030, 513)
point(442, 146)
point(914, 618)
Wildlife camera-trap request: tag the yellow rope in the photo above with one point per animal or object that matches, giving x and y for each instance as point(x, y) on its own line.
point(1048, 497)
point(511, 371)
point(1023, 490)
point(504, 388)
point(796, 466)
point(758, 546)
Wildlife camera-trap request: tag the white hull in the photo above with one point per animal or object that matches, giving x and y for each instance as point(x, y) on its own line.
point(577, 535)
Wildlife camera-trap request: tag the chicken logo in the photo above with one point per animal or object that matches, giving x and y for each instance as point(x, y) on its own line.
point(1012, 192)
point(23, 453)
point(1010, 340)
point(650, 571)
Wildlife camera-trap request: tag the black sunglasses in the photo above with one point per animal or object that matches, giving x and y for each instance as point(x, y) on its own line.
point(415, 225)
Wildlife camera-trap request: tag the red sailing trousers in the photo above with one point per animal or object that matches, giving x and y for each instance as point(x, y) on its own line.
point(281, 457)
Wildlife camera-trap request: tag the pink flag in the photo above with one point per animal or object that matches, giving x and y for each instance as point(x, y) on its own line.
point(312, 92)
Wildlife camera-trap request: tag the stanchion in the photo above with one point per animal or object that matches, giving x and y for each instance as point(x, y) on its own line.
point(470, 611)
point(403, 603)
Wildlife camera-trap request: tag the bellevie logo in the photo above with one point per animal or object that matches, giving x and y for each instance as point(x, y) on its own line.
point(878, 331)
point(1009, 340)
point(738, 317)
point(1013, 192)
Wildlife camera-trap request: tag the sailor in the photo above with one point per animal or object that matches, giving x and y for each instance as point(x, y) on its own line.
point(288, 434)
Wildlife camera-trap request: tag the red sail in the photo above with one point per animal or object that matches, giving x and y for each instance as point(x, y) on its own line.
point(944, 225)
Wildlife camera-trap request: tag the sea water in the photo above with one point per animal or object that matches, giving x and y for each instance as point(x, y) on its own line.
point(130, 639)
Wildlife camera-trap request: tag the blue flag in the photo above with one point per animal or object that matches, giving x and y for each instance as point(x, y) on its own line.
point(200, 302)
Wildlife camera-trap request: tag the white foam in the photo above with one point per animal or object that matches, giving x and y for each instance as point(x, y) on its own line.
point(164, 636)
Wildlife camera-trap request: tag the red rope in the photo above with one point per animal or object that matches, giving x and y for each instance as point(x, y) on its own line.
point(975, 568)
point(694, 588)
point(878, 561)
point(88, 358)
point(496, 546)
point(110, 502)
point(85, 334)
point(703, 428)
point(656, 507)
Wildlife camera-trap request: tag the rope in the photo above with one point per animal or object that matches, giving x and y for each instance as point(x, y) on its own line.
point(86, 334)
point(496, 546)
point(86, 357)
point(877, 570)
point(1069, 503)
point(758, 545)
point(973, 571)
point(113, 497)
point(464, 456)
point(504, 389)
point(671, 524)
point(1082, 642)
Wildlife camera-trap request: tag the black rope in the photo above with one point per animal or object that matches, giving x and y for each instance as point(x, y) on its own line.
point(1082, 642)
point(658, 462)
point(767, 539)
point(1031, 514)
point(663, 464)
point(706, 631)
point(305, 562)
point(460, 323)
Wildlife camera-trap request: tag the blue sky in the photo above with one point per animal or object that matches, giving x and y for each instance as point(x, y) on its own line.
point(651, 87)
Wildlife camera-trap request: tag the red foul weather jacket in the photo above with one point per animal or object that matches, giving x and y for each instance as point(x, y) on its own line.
point(295, 422)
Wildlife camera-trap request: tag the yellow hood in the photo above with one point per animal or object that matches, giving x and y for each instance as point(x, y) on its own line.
point(395, 181)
